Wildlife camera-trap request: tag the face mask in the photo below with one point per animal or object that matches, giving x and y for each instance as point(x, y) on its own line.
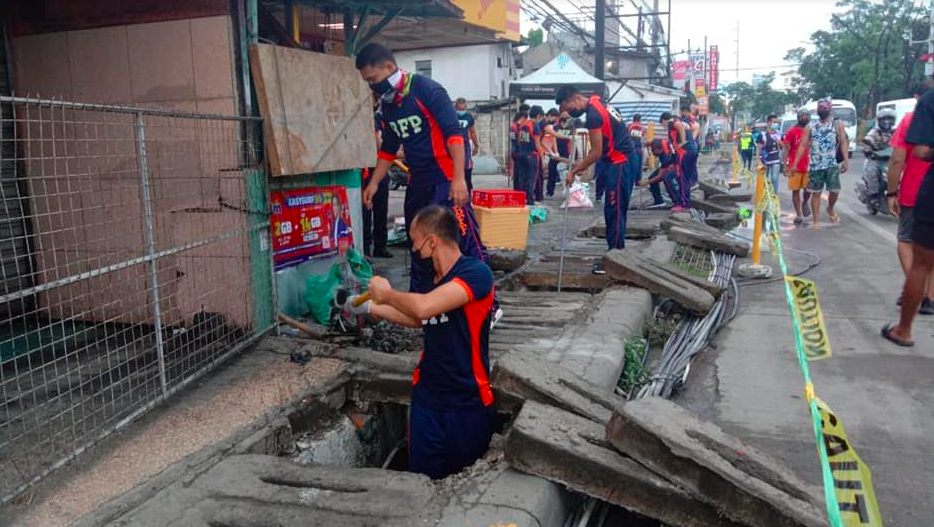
point(387, 85)
point(803, 122)
point(462, 113)
point(576, 112)
point(425, 261)
point(775, 127)
point(823, 114)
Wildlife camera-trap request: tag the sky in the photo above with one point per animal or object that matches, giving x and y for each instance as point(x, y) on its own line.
point(767, 29)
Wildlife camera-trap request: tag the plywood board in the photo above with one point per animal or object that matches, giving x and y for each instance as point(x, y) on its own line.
point(317, 111)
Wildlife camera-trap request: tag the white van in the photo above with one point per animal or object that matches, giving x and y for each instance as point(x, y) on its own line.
point(900, 106)
point(846, 112)
point(788, 120)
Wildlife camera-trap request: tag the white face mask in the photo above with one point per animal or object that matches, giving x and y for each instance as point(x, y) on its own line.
point(394, 80)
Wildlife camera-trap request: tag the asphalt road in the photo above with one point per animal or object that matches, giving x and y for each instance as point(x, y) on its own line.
point(752, 385)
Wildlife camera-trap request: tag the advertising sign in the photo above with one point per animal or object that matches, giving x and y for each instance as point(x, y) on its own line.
point(501, 16)
point(309, 222)
point(679, 71)
point(713, 69)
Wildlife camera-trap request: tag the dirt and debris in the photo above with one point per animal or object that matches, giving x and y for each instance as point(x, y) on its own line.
point(389, 338)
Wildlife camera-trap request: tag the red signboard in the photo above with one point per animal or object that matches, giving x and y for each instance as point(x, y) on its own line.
point(713, 71)
point(680, 69)
point(309, 222)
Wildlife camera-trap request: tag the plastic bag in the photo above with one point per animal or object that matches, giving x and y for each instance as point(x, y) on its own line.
point(538, 215)
point(320, 291)
point(359, 267)
point(578, 196)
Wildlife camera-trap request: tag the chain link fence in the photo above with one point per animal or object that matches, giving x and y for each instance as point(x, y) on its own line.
point(135, 257)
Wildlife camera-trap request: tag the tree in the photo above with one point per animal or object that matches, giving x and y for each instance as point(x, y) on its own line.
point(535, 37)
point(716, 104)
point(865, 55)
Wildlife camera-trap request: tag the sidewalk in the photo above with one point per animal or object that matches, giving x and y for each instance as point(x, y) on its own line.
point(751, 384)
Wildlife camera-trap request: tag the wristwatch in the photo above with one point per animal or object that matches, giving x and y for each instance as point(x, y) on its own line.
point(891, 194)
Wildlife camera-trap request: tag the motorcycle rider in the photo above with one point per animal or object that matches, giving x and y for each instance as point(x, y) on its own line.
point(877, 150)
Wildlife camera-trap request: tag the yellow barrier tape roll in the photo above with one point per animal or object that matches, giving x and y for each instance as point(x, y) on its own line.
point(810, 318)
point(856, 498)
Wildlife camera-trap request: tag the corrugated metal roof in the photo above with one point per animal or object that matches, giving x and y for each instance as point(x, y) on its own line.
point(649, 110)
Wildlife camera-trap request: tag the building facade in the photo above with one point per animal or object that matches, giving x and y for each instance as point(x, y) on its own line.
point(491, 67)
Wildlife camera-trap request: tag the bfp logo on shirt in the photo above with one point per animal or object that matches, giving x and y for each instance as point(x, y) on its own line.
point(402, 126)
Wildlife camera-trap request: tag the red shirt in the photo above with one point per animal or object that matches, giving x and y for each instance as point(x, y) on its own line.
point(915, 169)
point(793, 139)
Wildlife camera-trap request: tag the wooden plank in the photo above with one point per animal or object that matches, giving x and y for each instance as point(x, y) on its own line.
point(317, 111)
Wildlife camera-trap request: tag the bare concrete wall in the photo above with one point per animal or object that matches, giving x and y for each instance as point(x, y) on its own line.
point(184, 65)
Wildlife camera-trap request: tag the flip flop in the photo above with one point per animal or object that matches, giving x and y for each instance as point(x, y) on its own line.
point(887, 335)
point(835, 217)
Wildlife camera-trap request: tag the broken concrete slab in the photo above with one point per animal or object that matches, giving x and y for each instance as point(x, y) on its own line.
point(712, 466)
point(710, 189)
point(658, 278)
point(707, 240)
point(637, 227)
point(578, 275)
point(711, 207)
point(723, 222)
point(571, 450)
point(258, 490)
point(505, 260)
point(520, 376)
point(595, 348)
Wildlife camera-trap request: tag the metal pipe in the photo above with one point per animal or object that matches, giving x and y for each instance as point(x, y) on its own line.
point(151, 247)
point(81, 106)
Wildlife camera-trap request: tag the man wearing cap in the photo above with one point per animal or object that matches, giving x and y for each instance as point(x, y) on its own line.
point(797, 174)
point(824, 141)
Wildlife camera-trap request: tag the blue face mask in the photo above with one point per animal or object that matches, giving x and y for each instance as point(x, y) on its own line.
point(775, 127)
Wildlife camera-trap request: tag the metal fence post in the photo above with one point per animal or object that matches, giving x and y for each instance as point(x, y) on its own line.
point(151, 247)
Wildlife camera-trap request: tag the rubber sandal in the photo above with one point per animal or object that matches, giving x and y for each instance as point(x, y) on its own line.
point(887, 335)
point(835, 217)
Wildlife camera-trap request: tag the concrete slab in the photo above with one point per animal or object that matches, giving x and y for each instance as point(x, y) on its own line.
point(505, 260)
point(656, 277)
point(710, 207)
point(572, 450)
point(522, 376)
point(595, 349)
point(738, 480)
point(704, 239)
point(711, 189)
point(261, 490)
point(638, 226)
point(722, 221)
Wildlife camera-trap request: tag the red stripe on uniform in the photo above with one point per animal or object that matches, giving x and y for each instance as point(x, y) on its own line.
point(455, 140)
point(477, 312)
point(385, 156)
point(417, 373)
point(437, 143)
point(612, 153)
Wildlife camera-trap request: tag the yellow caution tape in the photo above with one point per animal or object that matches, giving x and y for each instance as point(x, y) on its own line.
point(810, 318)
point(856, 497)
point(809, 392)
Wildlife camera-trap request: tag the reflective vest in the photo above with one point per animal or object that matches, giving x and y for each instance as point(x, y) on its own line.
point(745, 140)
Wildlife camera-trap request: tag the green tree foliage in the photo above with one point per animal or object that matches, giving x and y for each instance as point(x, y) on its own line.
point(535, 37)
point(759, 101)
point(717, 105)
point(865, 55)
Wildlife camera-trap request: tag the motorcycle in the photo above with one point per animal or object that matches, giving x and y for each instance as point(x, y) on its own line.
point(870, 189)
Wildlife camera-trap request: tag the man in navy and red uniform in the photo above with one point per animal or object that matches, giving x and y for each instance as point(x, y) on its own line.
point(528, 146)
point(375, 229)
point(450, 423)
point(665, 173)
point(471, 144)
point(418, 115)
point(678, 134)
point(610, 142)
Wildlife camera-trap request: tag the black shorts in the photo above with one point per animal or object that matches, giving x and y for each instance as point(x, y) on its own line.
point(906, 222)
point(922, 233)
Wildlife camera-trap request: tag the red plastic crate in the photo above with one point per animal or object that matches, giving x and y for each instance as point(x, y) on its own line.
point(496, 198)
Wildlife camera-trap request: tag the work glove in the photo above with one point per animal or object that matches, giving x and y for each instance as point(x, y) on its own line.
point(362, 309)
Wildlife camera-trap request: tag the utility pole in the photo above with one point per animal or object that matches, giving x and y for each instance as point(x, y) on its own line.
point(599, 39)
point(737, 52)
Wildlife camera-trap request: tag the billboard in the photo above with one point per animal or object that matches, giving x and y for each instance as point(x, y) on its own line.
point(501, 16)
point(679, 71)
point(713, 69)
point(309, 222)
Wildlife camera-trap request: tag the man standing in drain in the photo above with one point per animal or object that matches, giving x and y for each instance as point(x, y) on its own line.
point(610, 142)
point(418, 115)
point(451, 419)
